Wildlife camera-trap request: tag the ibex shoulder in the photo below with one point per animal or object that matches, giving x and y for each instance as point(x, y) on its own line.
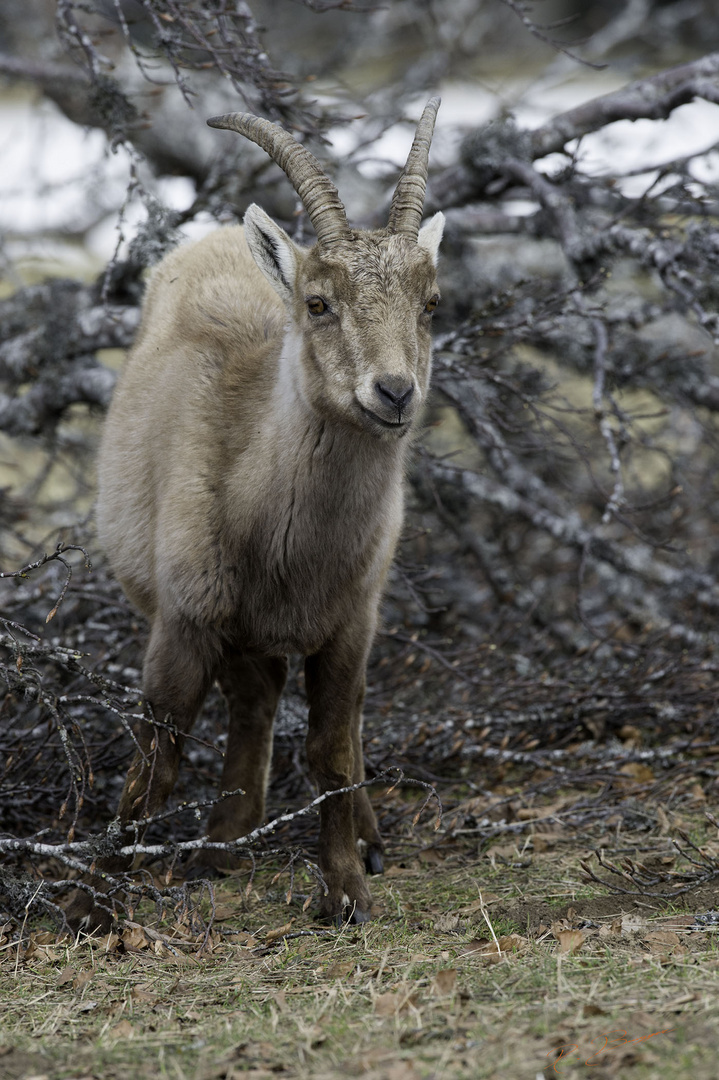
point(211, 295)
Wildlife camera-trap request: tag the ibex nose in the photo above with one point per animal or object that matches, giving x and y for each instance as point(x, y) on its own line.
point(394, 391)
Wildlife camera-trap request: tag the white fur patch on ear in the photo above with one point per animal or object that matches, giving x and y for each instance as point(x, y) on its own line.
point(273, 251)
point(430, 235)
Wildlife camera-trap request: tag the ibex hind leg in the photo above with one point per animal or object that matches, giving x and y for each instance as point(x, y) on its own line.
point(177, 674)
point(252, 686)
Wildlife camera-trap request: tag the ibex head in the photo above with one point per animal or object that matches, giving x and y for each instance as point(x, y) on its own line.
point(360, 302)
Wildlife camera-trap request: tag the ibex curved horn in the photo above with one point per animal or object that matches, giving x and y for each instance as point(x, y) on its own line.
point(318, 194)
point(405, 215)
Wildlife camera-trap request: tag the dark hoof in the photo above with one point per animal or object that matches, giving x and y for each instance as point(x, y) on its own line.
point(373, 860)
point(351, 916)
point(350, 913)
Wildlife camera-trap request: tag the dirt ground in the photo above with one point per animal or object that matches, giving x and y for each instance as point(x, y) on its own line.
point(483, 960)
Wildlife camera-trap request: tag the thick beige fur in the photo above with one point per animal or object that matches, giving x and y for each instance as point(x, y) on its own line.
point(251, 497)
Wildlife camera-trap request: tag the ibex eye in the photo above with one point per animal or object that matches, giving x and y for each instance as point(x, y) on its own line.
point(431, 304)
point(316, 305)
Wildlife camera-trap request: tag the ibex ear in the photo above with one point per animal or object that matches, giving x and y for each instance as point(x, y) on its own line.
point(273, 251)
point(430, 235)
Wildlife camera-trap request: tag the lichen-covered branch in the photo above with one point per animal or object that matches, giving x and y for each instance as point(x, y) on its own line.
point(652, 98)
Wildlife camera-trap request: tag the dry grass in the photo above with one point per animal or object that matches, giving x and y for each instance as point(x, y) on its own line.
point(475, 966)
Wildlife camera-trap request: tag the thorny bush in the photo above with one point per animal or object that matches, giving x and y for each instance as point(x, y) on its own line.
point(551, 623)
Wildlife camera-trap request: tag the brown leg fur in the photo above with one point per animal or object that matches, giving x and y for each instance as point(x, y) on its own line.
point(176, 677)
point(252, 686)
point(335, 686)
point(365, 820)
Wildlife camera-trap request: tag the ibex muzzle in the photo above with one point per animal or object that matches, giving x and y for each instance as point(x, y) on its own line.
point(395, 394)
point(251, 489)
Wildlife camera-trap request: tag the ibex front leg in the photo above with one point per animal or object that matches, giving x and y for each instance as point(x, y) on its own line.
point(335, 679)
point(178, 671)
point(252, 686)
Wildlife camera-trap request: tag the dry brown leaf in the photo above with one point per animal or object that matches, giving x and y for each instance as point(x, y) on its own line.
point(665, 944)
point(570, 941)
point(543, 842)
point(273, 935)
point(134, 937)
point(662, 938)
point(224, 911)
point(502, 851)
point(44, 937)
point(67, 974)
point(386, 1004)
point(444, 981)
point(493, 952)
point(513, 943)
point(245, 939)
point(431, 857)
point(41, 953)
point(340, 969)
point(106, 944)
point(394, 1002)
point(402, 1070)
point(612, 929)
point(122, 1030)
point(82, 979)
point(638, 771)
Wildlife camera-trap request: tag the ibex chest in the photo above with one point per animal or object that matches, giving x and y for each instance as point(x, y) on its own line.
point(316, 544)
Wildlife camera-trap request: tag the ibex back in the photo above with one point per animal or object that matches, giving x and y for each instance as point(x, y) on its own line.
point(251, 478)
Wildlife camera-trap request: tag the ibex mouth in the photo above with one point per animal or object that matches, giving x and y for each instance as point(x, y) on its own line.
point(393, 425)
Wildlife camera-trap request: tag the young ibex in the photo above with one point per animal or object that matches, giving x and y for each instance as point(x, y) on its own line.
point(251, 477)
